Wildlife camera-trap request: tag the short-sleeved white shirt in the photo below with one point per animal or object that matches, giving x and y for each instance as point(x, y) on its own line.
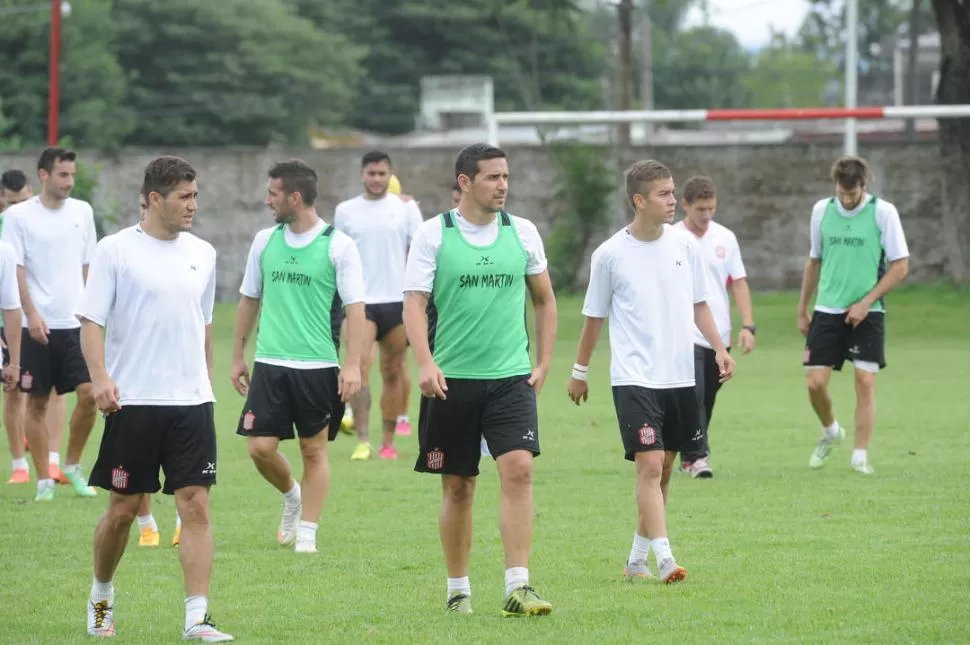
point(423, 257)
point(382, 229)
point(155, 298)
point(891, 234)
point(721, 256)
point(53, 246)
point(648, 291)
point(346, 262)
point(9, 291)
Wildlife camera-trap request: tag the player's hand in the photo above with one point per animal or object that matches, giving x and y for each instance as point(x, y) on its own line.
point(857, 313)
point(348, 383)
point(11, 377)
point(37, 328)
point(803, 322)
point(746, 341)
point(239, 375)
point(578, 390)
point(106, 395)
point(725, 365)
point(538, 378)
point(432, 381)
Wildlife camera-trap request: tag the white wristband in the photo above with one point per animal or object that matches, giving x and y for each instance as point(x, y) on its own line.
point(580, 372)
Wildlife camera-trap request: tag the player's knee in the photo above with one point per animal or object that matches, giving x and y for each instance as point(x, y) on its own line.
point(122, 511)
point(816, 381)
point(261, 448)
point(458, 490)
point(37, 407)
point(85, 397)
point(193, 505)
point(314, 451)
point(865, 382)
point(650, 465)
point(515, 469)
point(391, 372)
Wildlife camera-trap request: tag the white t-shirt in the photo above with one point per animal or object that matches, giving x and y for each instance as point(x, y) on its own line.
point(9, 291)
point(382, 229)
point(53, 246)
point(891, 233)
point(648, 291)
point(423, 258)
point(346, 261)
point(155, 297)
point(721, 256)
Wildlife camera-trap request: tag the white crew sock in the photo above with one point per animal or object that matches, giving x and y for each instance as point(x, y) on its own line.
point(72, 469)
point(307, 532)
point(515, 577)
point(20, 464)
point(403, 418)
point(54, 458)
point(661, 547)
point(859, 457)
point(102, 591)
point(640, 551)
point(44, 483)
point(147, 521)
point(293, 498)
point(178, 520)
point(832, 431)
point(459, 585)
point(195, 610)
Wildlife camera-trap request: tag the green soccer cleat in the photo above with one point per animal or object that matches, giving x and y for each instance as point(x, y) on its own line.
point(80, 484)
point(524, 601)
point(824, 448)
point(45, 494)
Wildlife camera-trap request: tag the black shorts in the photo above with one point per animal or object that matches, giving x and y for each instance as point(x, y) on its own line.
point(708, 379)
point(282, 397)
point(386, 315)
point(450, 431)
point(654, 419)
point(831, 341)
point(140, 439)
point(5, 350)
point(59, 364)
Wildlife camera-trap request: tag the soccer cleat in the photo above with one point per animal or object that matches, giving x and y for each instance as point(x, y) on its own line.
point(54, 472)
point(101, 620)
point(524, 601)
point(388, 453)
point(177, 535)
point(637, 571)
point(289, 524)
point(700, 469)
point(824, 448)
point(45, 494)
point(206, 632)
point(864, 468)
point(148, 537)
point(362, 452)
point(670, 572)
point(347, 422)
point(403, 427)
point(19, 476)
point(80, 484)
point(459, 603)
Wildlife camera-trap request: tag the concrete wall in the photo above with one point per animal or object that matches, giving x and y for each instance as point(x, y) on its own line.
point(765, 193)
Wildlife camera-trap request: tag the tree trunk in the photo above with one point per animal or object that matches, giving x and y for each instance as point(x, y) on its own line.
point(625, 15)
point(912, 65)
point(953, 18)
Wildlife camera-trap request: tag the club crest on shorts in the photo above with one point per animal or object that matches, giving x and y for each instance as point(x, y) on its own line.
point(249, 420)
point(26, 381)
point(647, 435)
point(119, 478)
point(436, 459)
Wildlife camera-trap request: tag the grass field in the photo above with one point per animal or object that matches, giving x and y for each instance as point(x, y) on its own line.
point(775, 552)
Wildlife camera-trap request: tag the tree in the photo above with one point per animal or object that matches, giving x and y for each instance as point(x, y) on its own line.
point(953, 18)
point(703, 67)
point(784, 76)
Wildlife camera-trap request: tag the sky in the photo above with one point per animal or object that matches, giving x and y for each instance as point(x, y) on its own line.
point(752, 20)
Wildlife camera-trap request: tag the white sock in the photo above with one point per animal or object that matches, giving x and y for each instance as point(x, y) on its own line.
point(858, 457)
point(178, 520)
point(661, 547)
point(45, 483)
point(147, 521)
point(307, 532)
point(102, 591)
point(349, 413)
point(195, 610)
point(403, 418)
point(54, 459)
point(832, 431)
point(73, 469)
point(293, 497)
point(459, 585)
point(20, 464)
point(515, 577)
point(640, 551)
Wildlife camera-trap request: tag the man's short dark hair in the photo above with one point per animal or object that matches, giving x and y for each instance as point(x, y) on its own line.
point(50, 156)
point(374, 156)
point(640, 175)
point(850, 171)
point(467, 161)
point(297, 177)
point(165, 173)
point(699, 188)
point(13, 180)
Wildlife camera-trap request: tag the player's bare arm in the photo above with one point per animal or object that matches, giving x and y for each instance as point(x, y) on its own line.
point(898, 270)
point(431, 380)
point(246, 315)
point(810, 274)
point(578, 387)
point(106, 394)
point(12, 330)
point(36, 325)
point(350, 378)
point(208, 350)
point(704, 320)
point(742, 298)
point(544, 305)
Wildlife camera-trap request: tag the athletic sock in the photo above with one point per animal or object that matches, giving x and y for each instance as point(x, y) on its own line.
point(20, 464)
point(640, 551)
point(661, 547)
point(832, 431)
point(515, 577)
point(859, 457)
point(147, 521)
point(459, 585)
point(195, 610)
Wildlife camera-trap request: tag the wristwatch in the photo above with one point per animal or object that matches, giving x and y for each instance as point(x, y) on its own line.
point(752, 328)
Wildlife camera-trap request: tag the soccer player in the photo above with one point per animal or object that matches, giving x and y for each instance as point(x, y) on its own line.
point(298, 274)
point(11, 316)
point(54, 238)
point(152, 286)
point(649, 280)
point(854, 235)
point(382, 225)
point(721, 259)
point(468, 272)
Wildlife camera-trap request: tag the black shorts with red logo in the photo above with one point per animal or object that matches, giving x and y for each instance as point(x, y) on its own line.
point(655, 419)
point(450, 431)
point(280, 398)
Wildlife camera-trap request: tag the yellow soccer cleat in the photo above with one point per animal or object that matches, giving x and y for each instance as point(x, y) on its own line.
point(177, 535)
point(148, 537)
point(362, 452)
point(347, 423)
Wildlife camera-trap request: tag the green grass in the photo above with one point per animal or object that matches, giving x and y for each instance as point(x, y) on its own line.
point(776, 552)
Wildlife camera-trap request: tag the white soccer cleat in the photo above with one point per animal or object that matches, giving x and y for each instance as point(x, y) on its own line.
point(206, 632)
point(289, 524)
point(101, 621)
point(824, 448)
point(305, 546)
point(864, 468)
point(670, 571)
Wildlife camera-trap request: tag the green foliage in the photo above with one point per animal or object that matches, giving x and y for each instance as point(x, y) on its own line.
point(784, 76)
point(584, 185)
point(702, 67)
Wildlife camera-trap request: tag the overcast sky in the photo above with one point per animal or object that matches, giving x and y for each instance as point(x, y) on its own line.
point(752, 20)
